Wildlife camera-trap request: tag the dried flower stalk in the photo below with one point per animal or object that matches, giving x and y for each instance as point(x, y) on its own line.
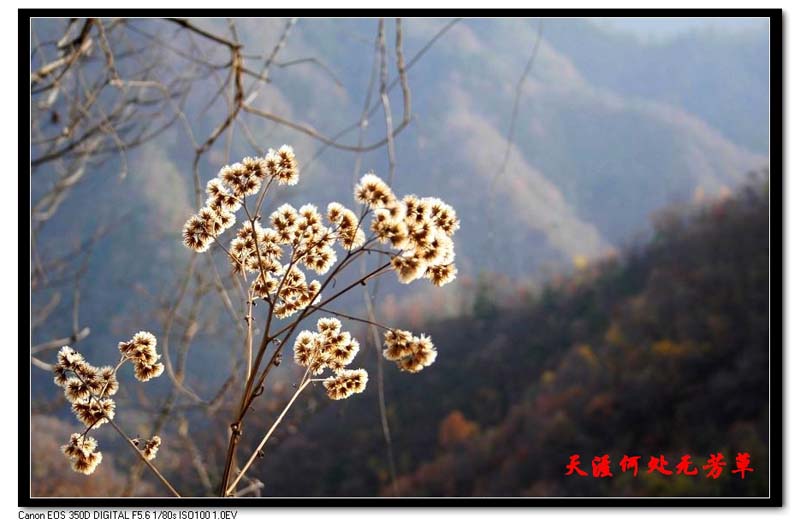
point(279, 263)
point(89, 389)
point(276, 261)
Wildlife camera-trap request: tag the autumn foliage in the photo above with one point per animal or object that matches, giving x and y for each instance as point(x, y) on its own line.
point(456, 429)
point(661, 350)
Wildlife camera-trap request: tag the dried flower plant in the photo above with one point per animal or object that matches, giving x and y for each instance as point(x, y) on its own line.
point(89, 389)
point(279, 263)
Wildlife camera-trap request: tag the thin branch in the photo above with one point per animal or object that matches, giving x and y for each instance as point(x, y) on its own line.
point(370, 321)
point(266, 438)
point(509, 141)
point(139, 453)
point(387, 108)
point(126, 437)
point(515, 108)
point(330, 142)
point(391, 85)
point(205, 34)
point(314, 61)
point(59, 342)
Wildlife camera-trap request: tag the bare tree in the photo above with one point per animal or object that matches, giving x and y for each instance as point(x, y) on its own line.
point(101, 88)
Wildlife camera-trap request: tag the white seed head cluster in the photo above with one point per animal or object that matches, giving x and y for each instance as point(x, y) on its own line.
point(276, 253)
point(282, 165)
point(421, 228)
point(141, 350)
point(410, 353)
point(151, 447)
point(82, 454)
point(89, 389)
point(348, 232)
point(331, 348)
point(297, 240)
point(227, 191)
point(346, 383)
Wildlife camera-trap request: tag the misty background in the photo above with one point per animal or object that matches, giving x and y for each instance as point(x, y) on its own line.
point(630, 136)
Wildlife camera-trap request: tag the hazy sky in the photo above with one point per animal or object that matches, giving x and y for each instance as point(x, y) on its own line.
point(661, 27)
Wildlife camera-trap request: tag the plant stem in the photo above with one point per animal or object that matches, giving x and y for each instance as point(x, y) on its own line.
point(354, 318)
point(252, 384)
point(127, 438)
point(144, 459)
point(266, 437)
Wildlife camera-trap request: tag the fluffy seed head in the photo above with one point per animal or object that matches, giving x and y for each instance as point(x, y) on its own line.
point(284, 222)
point(144, 371)
point(389, 230)
point(335, 212)
point(75, 389)
point(408, 267)
point(141, 348)
point(418, 210)
point(443, 216)
point(349, 235)
point(240, 179)
point(151, 447)
point(86, 464)
point(398, 344)
point(145, 339)
point(79, 446)
point(320, 260)
point(282, 165)
point(60, 375)
point(328, 347)
point(220, 197)
point(441, 275)
point(329, 325)
point(423, 354)
point(304, 348)
point(195, 235)
point(92, 412)
point(309, 215)
point(67, 357)
point(255, 167)
point(223, 219)
point(343, 353)
point(264, 286)
point(109, 382)
point(346, 383)
point(438, 251)
point(373, 191)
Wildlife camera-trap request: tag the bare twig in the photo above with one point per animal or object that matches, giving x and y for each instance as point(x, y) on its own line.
point(510, 138)
point(264, 440)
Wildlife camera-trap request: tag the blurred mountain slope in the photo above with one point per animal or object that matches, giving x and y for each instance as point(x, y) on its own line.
point(590, 162)
point(721, 76)
point(662, 350)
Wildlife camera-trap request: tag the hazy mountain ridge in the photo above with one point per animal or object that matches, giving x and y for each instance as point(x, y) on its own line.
point(591, 159)
point(587, 168)
point(595, 163)
point(720, 76)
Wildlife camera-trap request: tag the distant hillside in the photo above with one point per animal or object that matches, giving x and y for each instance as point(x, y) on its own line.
point(610, 129)
point(692, 70)
point(661, 350)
